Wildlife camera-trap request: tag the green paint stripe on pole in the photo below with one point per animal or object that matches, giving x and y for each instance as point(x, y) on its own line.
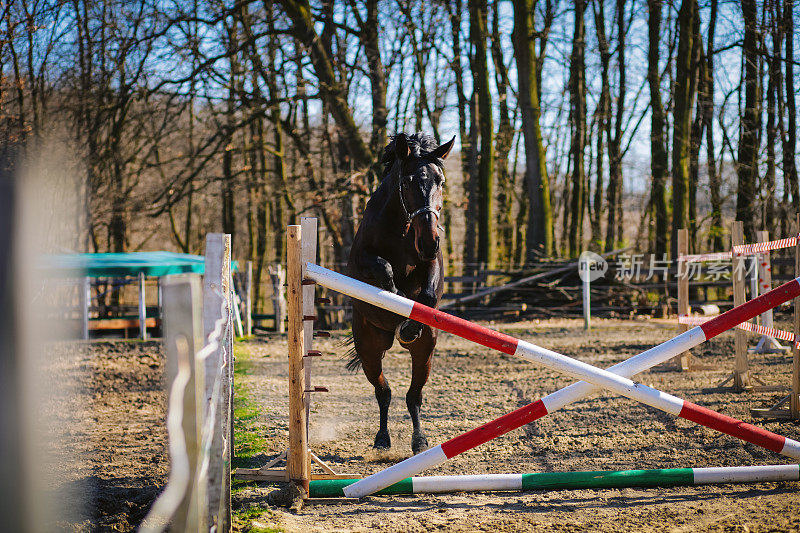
point(607, 479)
point(333, 488)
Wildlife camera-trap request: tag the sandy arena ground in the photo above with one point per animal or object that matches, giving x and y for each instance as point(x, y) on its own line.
point(111, 450)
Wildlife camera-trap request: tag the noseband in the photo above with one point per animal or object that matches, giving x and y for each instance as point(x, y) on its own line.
point(410, 216)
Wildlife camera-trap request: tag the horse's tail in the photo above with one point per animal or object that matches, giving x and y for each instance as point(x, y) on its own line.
point(354, 361)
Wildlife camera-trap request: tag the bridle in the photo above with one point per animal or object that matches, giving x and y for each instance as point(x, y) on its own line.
point(410, 216)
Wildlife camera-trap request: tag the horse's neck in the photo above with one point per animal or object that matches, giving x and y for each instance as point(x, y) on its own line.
point(385, 202)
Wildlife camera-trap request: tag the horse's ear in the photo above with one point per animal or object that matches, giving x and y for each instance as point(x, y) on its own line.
point(401, 149)
point(444, 150)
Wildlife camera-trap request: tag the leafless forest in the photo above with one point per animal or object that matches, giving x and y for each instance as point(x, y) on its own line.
point(189, 116)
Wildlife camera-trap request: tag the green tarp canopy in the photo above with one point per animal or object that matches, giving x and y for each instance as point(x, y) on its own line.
point(128, 264)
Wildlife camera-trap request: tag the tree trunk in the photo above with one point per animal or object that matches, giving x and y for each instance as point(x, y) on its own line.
point(505, 138)
point(696, 132)
point(330, 89)
point(682, 120)
point(714, 183)
point(454, 15)
point(577, 92)
point(539, 233)
point(658, 146)
point(750, 123)
point(790, 140)
point(603, 112)
point(377, 77)
point(614, 229)
point(773, 68)
point(480, 80)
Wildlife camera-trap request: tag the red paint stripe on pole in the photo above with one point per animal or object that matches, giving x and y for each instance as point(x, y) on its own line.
point(495, 428)
point(747, 310)
point(464, 328)
point(731, 426)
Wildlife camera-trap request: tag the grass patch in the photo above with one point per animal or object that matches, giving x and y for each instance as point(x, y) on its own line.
point(247, 440)
point(248, 443)
point(244, 518)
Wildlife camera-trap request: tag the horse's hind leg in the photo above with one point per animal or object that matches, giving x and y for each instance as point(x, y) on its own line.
point(371, 343)
point(421, 353)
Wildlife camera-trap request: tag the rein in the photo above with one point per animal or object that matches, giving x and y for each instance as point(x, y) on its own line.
point(410, 216)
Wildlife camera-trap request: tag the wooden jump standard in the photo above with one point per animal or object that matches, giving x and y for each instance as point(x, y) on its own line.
point(301, 248)
point(615, 379)
point(789, 406)
point(603, 479)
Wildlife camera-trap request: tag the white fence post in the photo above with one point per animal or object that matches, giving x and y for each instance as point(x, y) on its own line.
point(85, 297)
point(583, 266)
point(142, 309)
point(216, 293)
point(278, 276)
point(248, 300)
point(183, 332)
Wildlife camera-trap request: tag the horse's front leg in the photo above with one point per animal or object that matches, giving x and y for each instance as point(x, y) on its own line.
point(411, 330)
point(421, 355)
point(376, 270)
point(371, 344)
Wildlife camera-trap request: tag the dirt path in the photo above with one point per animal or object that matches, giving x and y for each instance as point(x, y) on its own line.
point(104, 440)
point(471, 385)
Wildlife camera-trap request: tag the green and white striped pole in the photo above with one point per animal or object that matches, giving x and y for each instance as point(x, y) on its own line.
point(668, 477)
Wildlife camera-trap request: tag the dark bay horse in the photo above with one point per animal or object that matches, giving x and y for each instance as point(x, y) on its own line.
point(397, 248)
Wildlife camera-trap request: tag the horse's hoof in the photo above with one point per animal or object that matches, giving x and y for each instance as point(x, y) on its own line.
point(409, 331)
point(419, 443)
point(382, 440)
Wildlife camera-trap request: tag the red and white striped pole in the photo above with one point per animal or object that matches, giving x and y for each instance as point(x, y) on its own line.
point(614, 379)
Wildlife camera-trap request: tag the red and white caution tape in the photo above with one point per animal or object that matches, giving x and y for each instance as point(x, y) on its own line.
point(761, 247)
point(742, 249)
point(745, 326)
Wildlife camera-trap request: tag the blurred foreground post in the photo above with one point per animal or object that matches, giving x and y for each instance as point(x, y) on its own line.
point(183, 337)
point(12, 480)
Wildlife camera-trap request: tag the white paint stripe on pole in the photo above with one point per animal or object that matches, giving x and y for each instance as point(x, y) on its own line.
point(603, 378)
point(628, 368)
point(367, 293)
point(470, 483)
point(741, 474)
point(791, 448)
point(415, 464)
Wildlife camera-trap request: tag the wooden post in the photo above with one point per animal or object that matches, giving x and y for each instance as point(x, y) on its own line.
point(308, 226)
point(277, 276)
point(142, 309)
point(794, 401)
point(236, 309)
point(683, 361)
point(216, 291)
point(297, 461)
point(248, 299)
point(183, 334)
point(741, 372)
point(85, 297)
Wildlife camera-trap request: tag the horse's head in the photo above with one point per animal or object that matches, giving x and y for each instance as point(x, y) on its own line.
point(420, 182)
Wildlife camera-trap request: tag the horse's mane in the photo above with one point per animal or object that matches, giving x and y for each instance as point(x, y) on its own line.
point(419, 143)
